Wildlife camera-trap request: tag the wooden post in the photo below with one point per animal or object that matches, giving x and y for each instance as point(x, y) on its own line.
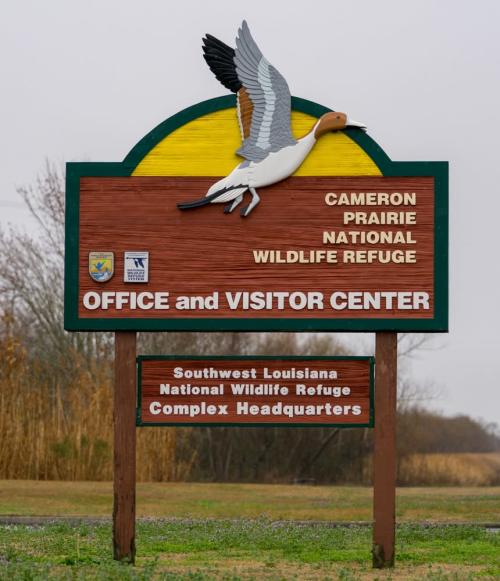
point(384, 453)
point(124, 447)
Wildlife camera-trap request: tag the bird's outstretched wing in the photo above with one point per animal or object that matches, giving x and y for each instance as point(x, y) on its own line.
point(264, 101)
point(220, 59)
point(270, 128)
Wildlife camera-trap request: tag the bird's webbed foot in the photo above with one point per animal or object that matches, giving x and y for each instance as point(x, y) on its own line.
point(228, 208)
point(245, 211)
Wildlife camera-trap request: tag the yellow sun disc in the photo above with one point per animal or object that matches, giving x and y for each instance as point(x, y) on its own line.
point(206, 147)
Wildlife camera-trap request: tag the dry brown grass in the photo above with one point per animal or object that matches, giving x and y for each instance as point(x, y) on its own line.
point(55, 431)
point(51, 431)
point(233, 501)
point(450, 469)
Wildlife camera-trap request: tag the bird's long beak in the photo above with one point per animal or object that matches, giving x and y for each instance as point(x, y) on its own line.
point(351, 123)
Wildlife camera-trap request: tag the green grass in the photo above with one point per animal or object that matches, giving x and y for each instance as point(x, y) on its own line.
point(247, 531)
point(245, 549)
point(278, 502)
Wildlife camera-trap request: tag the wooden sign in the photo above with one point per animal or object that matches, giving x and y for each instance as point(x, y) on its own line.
point(258, 391)
point(351, 241)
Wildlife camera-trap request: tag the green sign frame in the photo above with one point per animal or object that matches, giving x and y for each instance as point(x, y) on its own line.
point(76, 170)
point(369, 358)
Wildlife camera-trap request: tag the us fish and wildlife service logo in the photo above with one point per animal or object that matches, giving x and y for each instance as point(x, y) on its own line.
point(101, 266)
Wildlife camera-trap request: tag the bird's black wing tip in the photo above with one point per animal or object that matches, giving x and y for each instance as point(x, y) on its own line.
point(220, 58)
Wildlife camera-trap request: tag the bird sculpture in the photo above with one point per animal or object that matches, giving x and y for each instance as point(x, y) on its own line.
point(264, 107)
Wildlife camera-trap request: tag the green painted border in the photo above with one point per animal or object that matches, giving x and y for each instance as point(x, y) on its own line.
point(77, 170)
point(139, 423)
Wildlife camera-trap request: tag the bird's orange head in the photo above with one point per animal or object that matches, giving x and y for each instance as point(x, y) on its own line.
point(335, 121)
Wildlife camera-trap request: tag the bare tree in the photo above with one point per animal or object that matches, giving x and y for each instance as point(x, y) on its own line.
point(411, 345)
point(31, 281)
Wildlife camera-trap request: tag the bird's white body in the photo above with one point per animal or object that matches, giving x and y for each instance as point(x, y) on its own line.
point(275, 167)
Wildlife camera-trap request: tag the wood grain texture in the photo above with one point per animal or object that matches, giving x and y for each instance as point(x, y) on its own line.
point(354, 374)
point(384, 451)
point(199, 251)
point(124, 447)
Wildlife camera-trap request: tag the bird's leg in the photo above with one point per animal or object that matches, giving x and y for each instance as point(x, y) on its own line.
point(253, 202)
point(228, 208)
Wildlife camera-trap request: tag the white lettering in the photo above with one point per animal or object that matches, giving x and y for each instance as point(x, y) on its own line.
point(91, 300)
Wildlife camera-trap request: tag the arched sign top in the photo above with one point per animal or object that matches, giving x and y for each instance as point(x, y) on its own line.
point(202, 140)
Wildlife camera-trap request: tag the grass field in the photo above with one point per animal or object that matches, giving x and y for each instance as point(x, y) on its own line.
point(245, 549)
point(277, 502)
point(225, 531)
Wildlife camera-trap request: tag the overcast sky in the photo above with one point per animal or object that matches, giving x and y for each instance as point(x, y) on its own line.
point(86, 80)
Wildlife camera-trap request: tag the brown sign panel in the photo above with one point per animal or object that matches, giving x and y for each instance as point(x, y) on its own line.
point(303, 391)
point(329, 248)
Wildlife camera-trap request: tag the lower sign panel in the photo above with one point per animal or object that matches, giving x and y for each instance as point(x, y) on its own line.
point(255, 391)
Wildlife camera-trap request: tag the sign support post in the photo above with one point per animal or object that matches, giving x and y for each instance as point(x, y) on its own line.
point(384, 453)
point(124, 460)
